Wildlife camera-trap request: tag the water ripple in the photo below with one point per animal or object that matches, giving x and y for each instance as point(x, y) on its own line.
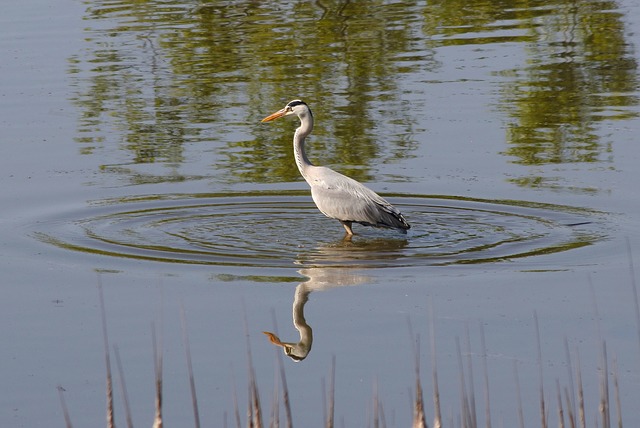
point(285, 229)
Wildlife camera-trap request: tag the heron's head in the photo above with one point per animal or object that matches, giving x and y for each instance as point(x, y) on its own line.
point(296, 107)
point(292, 350)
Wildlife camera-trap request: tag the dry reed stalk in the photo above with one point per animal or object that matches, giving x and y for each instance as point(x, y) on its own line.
point(604, 389)
point(157, 368)
point(375, 405)
point(105, 337)
point(236, 409)
point(571, 417)
point(616, 390)
point(464, 399)
point(192, 382)
point(283, 378)
point(581, 411)
point(123, 387)
point(285, 392)
point(570, 394)
point(274, 419)
point(254, 410)
point(487, 407)
point(634, 289)
point(543, 411)
point(471, 393)
point(330, 405)
point(383, 421)
point(518, 396)
point(437, 415)
point(65, 410)
point(419, 416)
point(560, 409)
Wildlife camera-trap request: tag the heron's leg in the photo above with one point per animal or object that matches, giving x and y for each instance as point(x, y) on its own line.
point(347, 227)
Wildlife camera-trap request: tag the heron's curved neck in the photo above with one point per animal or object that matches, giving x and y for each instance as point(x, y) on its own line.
point(305, 128)
point(306, 333)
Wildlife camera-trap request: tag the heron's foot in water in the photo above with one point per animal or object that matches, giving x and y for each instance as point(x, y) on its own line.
point(347, 227)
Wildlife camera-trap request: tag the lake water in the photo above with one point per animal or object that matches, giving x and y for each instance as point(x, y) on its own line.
point(133, 155)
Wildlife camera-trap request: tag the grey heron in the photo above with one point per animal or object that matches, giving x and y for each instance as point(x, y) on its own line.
point(338, 196)
point(297, 351)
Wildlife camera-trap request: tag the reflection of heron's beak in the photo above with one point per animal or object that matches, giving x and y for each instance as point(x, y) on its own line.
point(275, 115)
point(274, 339)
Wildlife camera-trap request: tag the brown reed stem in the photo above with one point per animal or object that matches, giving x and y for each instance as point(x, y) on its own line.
point(560, 409)
point(464, 402)
point(604, 389)
point(330, 407)
point(105, 337)
point(376, 402)
point(581, 411)
point(419, 416)
point(471, 391)
point(518, 396)
point(634, 288)
point(571, 417)
point(65, 410)
point(543, 412)
point(487, 407)
point(437, 416)
point(254, 411)
point(616, 391)
point(236, 409)
point(123, 387)
point(274, 421)
point(157, 369)
point(192, 382)
point(570, 398)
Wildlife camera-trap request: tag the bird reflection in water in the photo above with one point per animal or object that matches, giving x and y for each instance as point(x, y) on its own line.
point(319, 279)
point(297, 351)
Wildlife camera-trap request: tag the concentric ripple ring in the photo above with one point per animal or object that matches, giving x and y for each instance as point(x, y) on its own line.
point(285, 229)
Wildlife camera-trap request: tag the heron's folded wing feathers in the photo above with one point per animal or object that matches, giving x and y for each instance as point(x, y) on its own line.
point(343, 198)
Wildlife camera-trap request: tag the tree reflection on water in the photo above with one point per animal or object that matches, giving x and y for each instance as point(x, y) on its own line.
point(157, 76)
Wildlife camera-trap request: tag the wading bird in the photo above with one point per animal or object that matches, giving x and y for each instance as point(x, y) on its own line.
point(336, 195)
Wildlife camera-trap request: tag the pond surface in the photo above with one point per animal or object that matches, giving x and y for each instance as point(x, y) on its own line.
point(133, 155)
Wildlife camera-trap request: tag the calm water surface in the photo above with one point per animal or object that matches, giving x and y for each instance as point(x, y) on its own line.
point(133, 154)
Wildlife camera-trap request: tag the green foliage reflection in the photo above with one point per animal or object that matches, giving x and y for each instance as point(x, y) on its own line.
point(580, 72)
point(165, 73)
point(158, 76)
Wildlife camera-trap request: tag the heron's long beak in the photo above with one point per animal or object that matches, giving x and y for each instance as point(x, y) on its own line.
point(274, 116)
point(272, 337)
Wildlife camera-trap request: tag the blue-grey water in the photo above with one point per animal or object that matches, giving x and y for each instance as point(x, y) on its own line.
point(133, 155)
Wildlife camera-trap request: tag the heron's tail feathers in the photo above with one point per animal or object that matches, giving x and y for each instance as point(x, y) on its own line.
point(391, 218)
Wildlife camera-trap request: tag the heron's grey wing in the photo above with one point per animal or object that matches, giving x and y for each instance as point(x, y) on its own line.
point(340, 197)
